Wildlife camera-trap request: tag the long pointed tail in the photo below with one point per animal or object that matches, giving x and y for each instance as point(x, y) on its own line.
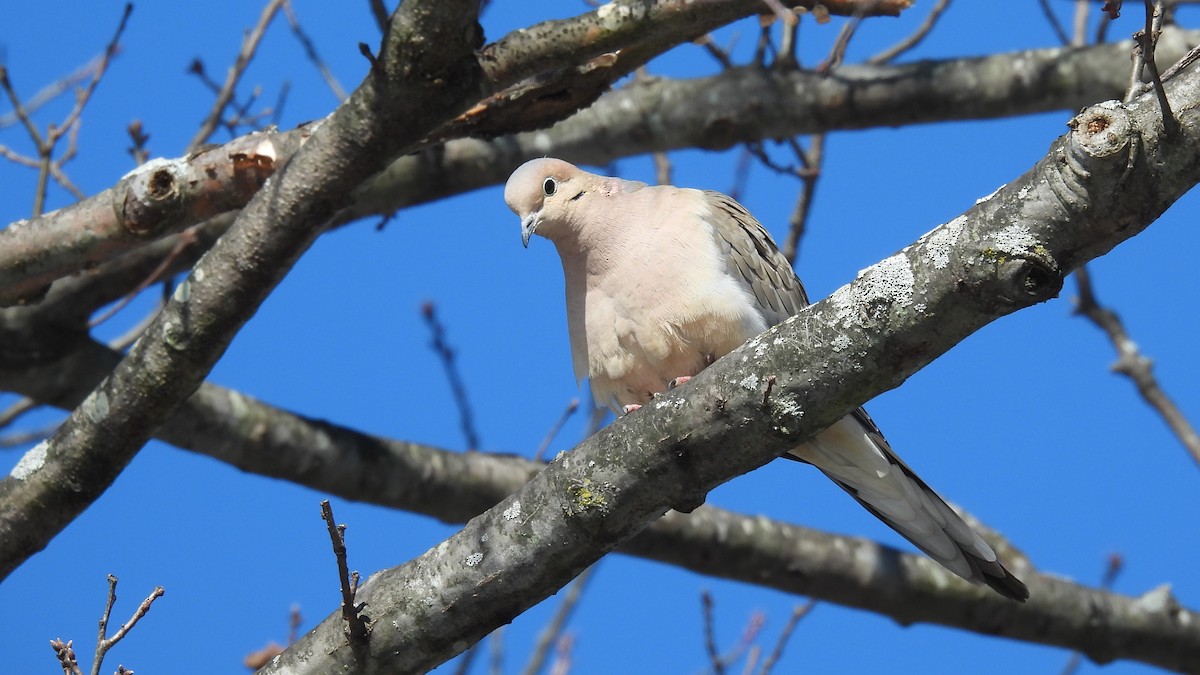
point(854, 454)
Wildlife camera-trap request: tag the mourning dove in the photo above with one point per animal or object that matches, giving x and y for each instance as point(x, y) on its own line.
point(662, 281)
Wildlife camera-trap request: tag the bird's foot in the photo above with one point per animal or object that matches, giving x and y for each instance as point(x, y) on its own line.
point(625, 410)
point(679, 381)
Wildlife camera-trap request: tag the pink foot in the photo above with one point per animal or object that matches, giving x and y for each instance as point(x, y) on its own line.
point(625, 410)
point(681, 380)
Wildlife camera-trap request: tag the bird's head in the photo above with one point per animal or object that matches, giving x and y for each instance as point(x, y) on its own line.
point(541, 192)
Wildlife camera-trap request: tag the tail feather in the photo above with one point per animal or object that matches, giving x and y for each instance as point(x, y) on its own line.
point(854, 454)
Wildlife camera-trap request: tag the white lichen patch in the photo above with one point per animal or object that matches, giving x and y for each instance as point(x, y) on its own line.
point(660, 404)
point(843, 305)
point(750, 382)
point(785, 409)
point(1014, 239)
point(183, 291)
point(618, 11)
point(474, 559)
point(989, 197)
point(1024, 191)
point(839, 343)
point(237, 402)
point(513, 511)
point(890, 280)
point(941, 240)
point(199, 274)
point(31, 462)
point(96, 405)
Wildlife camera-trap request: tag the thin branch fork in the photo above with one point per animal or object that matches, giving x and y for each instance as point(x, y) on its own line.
point(47, 166)
point(103, 641)
point(1133, 364)
point(356, 628)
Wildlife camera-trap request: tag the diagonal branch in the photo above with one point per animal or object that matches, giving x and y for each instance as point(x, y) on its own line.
point(454, 487)
point(162, 193)
point(1100, 184)
point(408, 89)
point(167, 196)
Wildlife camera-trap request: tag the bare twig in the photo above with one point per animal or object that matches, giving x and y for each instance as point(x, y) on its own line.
point(310, 50)
point(798, 613)
point(47, 166)
point(752, 658)
point(662, 168)
point(295, 619)
point(104, 643)
point(721, 55)
point(139, 138)
point(889, 54)
point(750, 633)
point(765, 43)
point(1187, 60)
point(557, 427)
point(1132, 364)
point(225, 95)
point(710, 638)
point(186, 238)
point(380, 13)
point(1055, 24)
point(22, 438)
point(562, 655)
point(496, 652)
point(1148, 41)
point(741, 172)
point(53, 91)
point(16, 410)
point(1079, 29)
point(810, 161)
point(446, 355)
point(786, 58)
point(355, 627)
point(552, 631)
point(837, 53)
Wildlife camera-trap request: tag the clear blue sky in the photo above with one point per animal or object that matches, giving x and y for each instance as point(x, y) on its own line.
point(1022, 424)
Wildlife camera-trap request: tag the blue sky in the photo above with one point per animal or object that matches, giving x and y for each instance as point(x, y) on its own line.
point(1023, 423)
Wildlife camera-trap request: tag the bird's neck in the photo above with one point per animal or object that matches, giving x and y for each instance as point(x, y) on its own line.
point(590, 251)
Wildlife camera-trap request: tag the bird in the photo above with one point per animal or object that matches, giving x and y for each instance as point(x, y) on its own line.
point(661, 281)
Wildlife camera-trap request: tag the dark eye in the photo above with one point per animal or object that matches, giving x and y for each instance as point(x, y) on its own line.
point(550, 186)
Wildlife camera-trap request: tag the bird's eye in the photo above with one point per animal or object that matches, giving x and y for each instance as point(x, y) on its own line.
point(550, 186)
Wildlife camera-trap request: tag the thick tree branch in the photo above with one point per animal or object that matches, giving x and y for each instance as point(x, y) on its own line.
point(1103, 182)
point(742, 105)
point(454, 487)
point(624, 36)
point(425, 71)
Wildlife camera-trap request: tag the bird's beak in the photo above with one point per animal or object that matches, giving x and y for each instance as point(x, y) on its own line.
point(528, 225)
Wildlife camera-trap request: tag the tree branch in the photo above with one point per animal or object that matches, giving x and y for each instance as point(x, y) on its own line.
point(409, 90)
point(1100, 184)
point(741, 105)
point(454, 487)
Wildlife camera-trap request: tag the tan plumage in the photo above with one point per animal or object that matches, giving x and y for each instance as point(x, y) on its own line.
point(661, 281)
